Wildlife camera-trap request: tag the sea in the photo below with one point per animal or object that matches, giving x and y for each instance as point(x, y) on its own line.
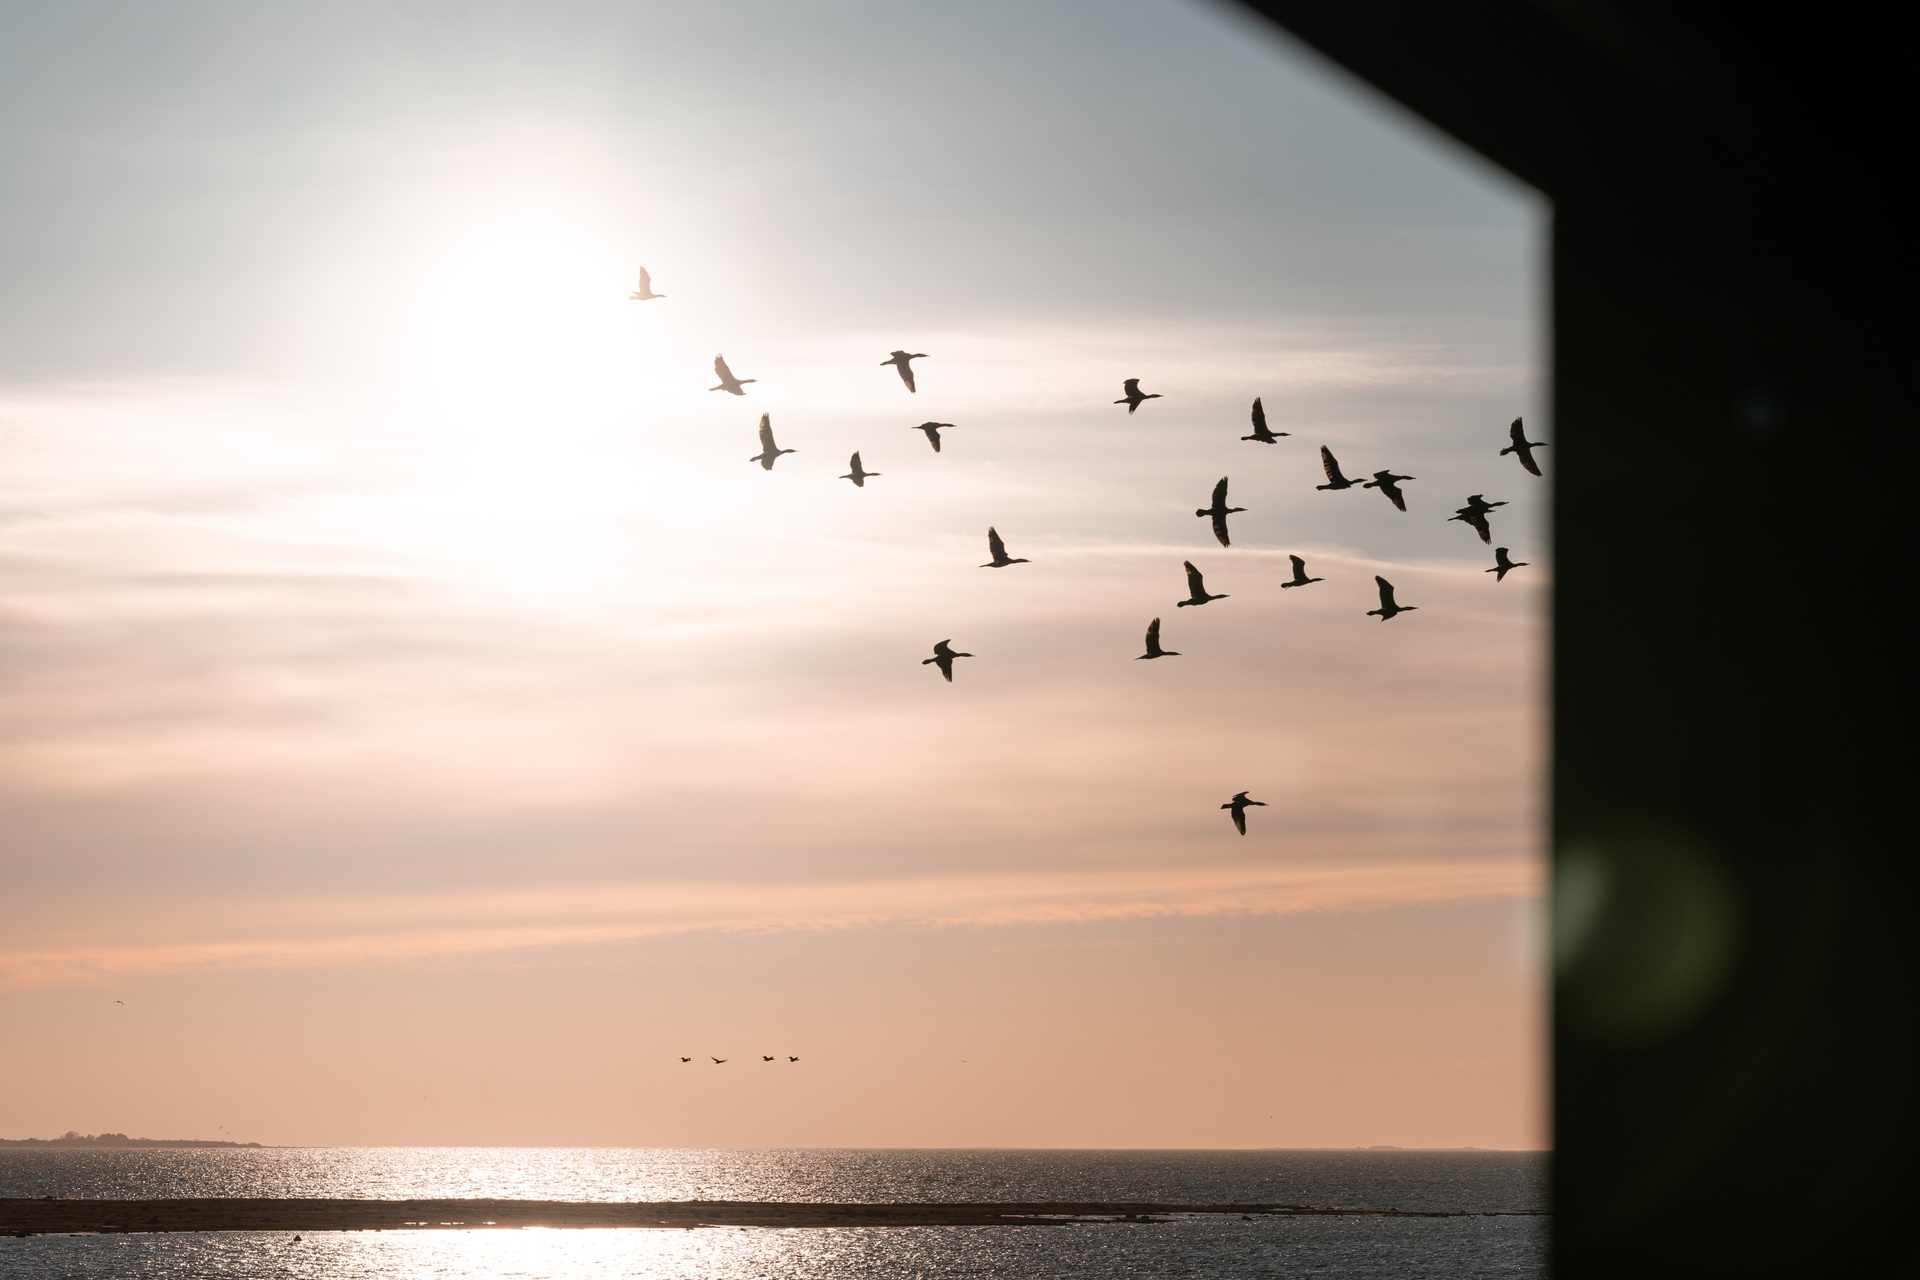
point(1502, 1193)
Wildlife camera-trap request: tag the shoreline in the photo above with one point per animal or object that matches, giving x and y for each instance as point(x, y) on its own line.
point(19, 1217)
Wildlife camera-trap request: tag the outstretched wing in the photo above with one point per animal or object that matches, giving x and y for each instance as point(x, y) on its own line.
point(1517, 434)
point(1259, 418)
point(996, 549)
point(1153, 635)
point(1195, 583)
point(1299, 566)
point(1220, 493)
point(853, 463)
point(1392, 490)
point(720, 368)
point(1132, 386)
point(1386, 593)
point(1525, 454)
point(646, 281)
point(1329, 465)
point(766, 432)
point(906, 374)
point(1240, 820)
point(1220, 528)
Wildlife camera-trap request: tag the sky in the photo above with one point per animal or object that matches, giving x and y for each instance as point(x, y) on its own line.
point(420, 722)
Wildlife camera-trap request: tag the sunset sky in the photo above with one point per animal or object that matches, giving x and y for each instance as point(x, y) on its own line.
point(418, 711)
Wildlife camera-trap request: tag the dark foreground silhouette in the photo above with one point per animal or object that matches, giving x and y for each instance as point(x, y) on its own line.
point(1239, 805)
point(1219, 511)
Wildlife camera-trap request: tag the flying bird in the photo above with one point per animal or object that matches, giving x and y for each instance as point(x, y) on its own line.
point(769, 451)
point(1220, 511)
point(728, 382)
point(998, 550)
point(857, 474)
point(1239, 805)
point(1332, 467)
point(645, 292)
point(1153, 644)
point(1387, 607)
point(791, 1058)
point(903, 361)
point(1196, 588)
point(1502, 563)
point(933, 430)
point(767, 1057)
point(686, 1059)
point(1474, 514)
point(943, 655)
point(1389, 484)
point(1300, 578)
point(717, 1059)
point(1260, 431)
point(1522, 448)
point(1135, 397)
point(120, 1002)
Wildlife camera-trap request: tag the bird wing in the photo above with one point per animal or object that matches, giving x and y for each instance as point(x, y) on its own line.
point(1220, 493)
point(1299, 566)
point(1195, 583)
point(1132, 386)
point(995, 547)
point(1525, 454)
point(906, 375)
point(853, 463)
point(1220, 528)
point(646, 281)
point(720, 368)
point(1386, 593)
point(1240, 821)
point(1517, 434)
point(1392, 490)
point(766, 432)
point(1259, 418)
point(1329, 465)
point(1153, 635)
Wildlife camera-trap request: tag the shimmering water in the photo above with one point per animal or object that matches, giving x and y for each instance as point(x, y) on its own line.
point(1478, 1182)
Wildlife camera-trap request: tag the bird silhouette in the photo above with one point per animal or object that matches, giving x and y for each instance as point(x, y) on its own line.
point(933, 430)
point(1502, 563)
point(998, 550)
point(1135, 397)
point(1300, 578)
point(717, 1059)
point(1220, 511)
point(1260, 431)
point(1239, 805)
point(791, 1058)
point(728, 382)
point(1332, 467)
point(645, 292)
point(769, 451)
point(943, 656)
point(856, 474)
point(1474, 514)
point(686, 1059)
point(120, 1002)
point(1153, 644)
point(1522, 448)
point(903, 361)
point(767, 1057)
point(1196, 588)
point(1387, 607)
point(1389, 484)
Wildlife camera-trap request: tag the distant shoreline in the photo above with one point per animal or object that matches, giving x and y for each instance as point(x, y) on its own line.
point(98, 1141)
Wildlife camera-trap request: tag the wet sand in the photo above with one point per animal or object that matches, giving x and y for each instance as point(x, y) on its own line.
point(50, 1216)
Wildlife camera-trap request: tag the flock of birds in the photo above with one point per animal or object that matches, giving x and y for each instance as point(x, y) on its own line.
point(765, 1057)
point(1474, 514)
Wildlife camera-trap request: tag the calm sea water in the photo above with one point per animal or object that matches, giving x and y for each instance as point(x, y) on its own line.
point(1499, 1183)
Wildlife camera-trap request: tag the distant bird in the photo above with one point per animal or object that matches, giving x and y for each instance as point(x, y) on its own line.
point(1389, 484)
point(728, 382)
point(686, 1059)
point(857, 475)
point(943, 656)
point(903, 361)
point(1220, 511)
point(1196, 588)
point(1260, 431)
point(769, 451)
point(933, 430)
point(718, 1059)
point(998, 550)
point(1135, 397)
point(1387, 607)
point(645, 292)
point(1300, 578)
point(120, 1002)
point(767, 1057)
point(791, 1058)
point(1474, 514)
point(1502, 564)
point(295, 1240)
point(1332, 467)
point(1239, 805)
point(1153, 644)
point(1522, 448)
